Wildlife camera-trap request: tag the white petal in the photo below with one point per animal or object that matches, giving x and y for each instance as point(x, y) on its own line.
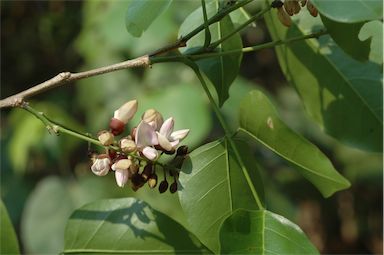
point(145, 135)
point(121, 164)
point(179, 134)
point(126, 112)
point(175, 143)
point(163, 142)
point(167, 127)
point(101, 166)
point(150, 153)
point(121, 176)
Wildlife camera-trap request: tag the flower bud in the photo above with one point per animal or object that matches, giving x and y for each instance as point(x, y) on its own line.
point(121, 176)
point(284, 17)
point(153, 118)
point(126, 112)
point(303, 2)
point(150, 153)
point(312, 9)
point(101, 165)
point(105, 137)
point(182, 150)
point(122, 164)
point(292, 7)
point(117, 126)
point(173, 187)
point(147, 171)
point(127, 145)
point(152, 181)
point(163, 186)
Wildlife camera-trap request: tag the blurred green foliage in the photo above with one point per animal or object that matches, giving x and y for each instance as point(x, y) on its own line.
point(45, 177)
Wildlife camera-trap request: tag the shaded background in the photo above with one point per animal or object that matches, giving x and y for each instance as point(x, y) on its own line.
point(45, 177)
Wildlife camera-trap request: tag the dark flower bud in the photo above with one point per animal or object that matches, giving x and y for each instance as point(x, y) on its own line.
point(147, 171)
point(182, 150)
point(137, 180)
point(163, 186)
point(277, 4)
point(173, 187)
point(152, 181)
point(116, 126)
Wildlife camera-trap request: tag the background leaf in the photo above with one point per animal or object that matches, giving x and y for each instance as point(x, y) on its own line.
point(8, 240)
point(126, 225)
point(221, 71)
point(262, 232)
point(259, 119)
point(212, 187)
point(343, 95)
point(141, 13)
point(346, 37)
point(350, 11)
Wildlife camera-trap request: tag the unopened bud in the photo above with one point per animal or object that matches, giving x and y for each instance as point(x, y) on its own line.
point(277, 4)
point(182, 150)
point(147, 171)
point(127, 145)
point(312, 9)
point(173, 187)
point(101, 165)
point(163, 186)
point(284, 17)
point(126, 112)
point(150, 153)
point(117, 126)
point(292, 7)
point(153, 118)
point(152, 181)
point(106, 138)
point(122, 164)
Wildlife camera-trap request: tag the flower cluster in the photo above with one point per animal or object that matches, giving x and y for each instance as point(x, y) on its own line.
point(290, 8)
point(133, 158)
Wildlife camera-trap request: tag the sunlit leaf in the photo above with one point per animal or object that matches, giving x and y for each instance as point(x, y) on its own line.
point(262, 232)
point(373, 31)
point(343, 95)
point(128, 226)
point(221, 71)
point(8, 239)
point(213, 186)
point(259, 119)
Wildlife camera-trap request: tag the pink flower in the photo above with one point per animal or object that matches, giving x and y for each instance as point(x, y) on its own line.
point(146, 138)
point(169, 139)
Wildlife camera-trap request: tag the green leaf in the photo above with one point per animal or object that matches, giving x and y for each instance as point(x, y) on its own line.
point(213, 186)
point(223, 70)
point(8, 239)
point(262, 232)
point(259, 119)
point(346, 37)
point(343, 95)
point(373, 30)
point(141, 14)
point(128, 226)
point(350, 11)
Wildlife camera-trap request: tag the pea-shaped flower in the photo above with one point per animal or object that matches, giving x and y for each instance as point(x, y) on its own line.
point(121, 171)
point(101, 165)
point(169, 139)
point(146, 138)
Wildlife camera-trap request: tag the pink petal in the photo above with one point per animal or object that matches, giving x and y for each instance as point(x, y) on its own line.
point(179, 134)
point(145, 135)
point(126, 111)
point(150, 153)
point(167, 127)
point(121, 176)
point(164, 143)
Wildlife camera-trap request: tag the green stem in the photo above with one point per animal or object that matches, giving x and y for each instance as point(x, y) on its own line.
point(239, 28)
point(207, 38)
point(180, 57)
point(228, 136)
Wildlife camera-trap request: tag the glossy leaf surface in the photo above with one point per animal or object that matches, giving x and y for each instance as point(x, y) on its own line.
point(221, 71)
point(8, 239)
point(350, 11)
point(343, 95)
point(128, 226)
point(141, 14)
point(262, 232)
point(259, 119)
point(213, 186)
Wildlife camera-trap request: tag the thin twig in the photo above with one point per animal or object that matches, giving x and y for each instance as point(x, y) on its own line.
point(66, 77)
